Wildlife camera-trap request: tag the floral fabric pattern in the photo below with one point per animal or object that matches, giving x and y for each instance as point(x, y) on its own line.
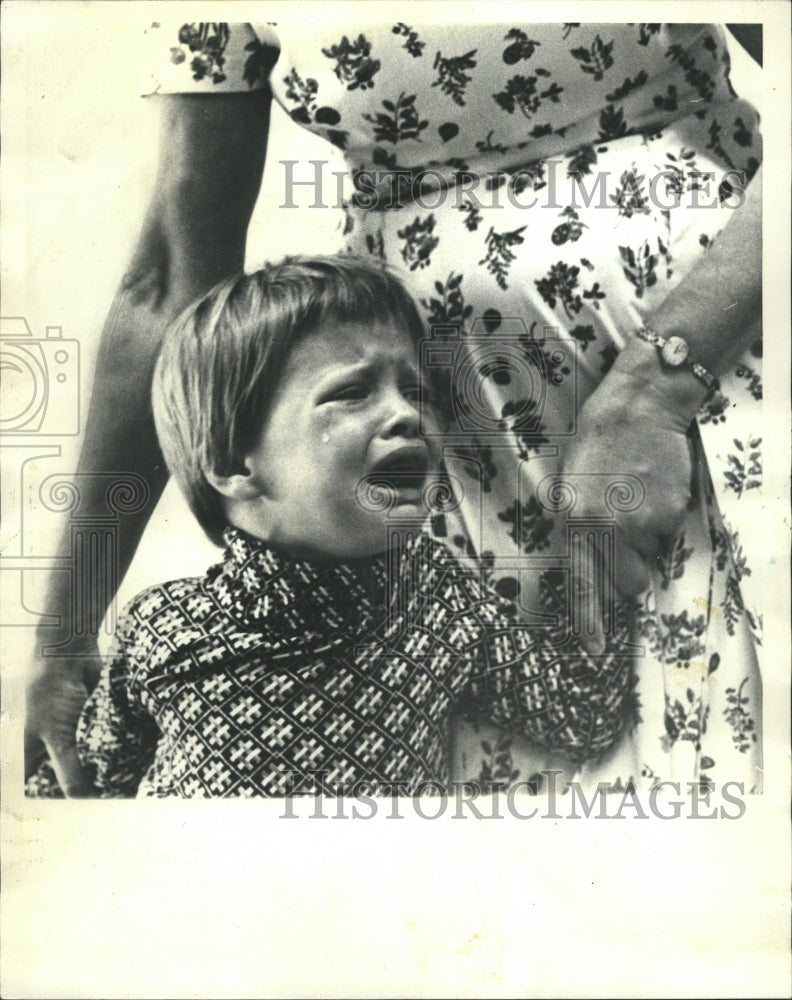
point(575, 173)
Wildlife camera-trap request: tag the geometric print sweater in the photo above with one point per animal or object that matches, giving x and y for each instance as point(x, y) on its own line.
point(272, 676)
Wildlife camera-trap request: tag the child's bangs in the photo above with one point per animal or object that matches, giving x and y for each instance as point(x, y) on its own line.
point(344, 290)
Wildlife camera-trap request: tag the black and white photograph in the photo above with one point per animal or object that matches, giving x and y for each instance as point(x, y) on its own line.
point(395, 431)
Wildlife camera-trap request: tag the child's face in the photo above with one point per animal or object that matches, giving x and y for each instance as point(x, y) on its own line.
point(346, 408)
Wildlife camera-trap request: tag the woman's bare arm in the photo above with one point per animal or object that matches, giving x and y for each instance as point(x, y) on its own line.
point(636, 420)
point(211, 160)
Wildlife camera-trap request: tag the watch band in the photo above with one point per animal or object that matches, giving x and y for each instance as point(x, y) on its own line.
point(675, 354)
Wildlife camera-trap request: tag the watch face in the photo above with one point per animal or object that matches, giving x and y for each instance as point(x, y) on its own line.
point(674, 351)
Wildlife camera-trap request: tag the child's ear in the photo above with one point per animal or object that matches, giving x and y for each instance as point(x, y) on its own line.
point(238, 486)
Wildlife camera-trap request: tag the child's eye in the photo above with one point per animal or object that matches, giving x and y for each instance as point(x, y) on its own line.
point(349, 391)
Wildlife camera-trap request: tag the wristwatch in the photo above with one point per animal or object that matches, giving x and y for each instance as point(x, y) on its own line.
point(675, 353)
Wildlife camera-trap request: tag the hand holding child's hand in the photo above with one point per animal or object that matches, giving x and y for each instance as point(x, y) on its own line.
point(620, 436)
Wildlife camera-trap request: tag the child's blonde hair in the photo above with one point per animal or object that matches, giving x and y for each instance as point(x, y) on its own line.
point(221, 360)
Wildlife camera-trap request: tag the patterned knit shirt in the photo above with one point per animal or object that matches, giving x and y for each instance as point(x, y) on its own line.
point(271, 676)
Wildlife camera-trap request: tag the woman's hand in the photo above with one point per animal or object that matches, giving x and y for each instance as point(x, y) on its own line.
point(625, 434)
point(56, 693)
point(635, 422)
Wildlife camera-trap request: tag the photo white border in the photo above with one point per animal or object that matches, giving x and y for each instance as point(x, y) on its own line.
point(224, 899)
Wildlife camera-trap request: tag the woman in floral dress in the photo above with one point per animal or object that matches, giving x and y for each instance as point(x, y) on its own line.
point(545, 191)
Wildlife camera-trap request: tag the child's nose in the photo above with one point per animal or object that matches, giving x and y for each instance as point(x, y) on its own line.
point(403, 419)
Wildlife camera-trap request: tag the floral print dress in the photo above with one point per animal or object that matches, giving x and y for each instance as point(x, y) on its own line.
point(542, 188)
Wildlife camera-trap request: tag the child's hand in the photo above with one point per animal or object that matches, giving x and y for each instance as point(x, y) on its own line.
point(56, 694)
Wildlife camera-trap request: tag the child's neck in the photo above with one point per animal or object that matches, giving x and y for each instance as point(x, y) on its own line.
point(296, 551)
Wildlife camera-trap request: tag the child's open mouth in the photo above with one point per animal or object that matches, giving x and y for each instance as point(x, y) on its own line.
point(404, 472)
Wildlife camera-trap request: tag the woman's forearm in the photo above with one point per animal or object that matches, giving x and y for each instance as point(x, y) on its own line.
point(212, 152)
point(717, 308)
point(636, 420)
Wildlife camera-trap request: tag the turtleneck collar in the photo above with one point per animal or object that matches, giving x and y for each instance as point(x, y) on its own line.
point(264, 589)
